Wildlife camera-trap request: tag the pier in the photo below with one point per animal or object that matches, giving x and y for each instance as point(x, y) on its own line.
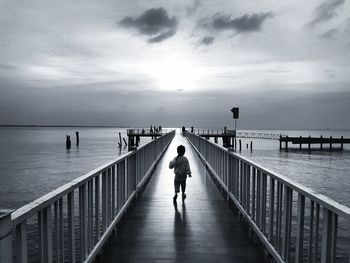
point(236, 211)
point(322, 142)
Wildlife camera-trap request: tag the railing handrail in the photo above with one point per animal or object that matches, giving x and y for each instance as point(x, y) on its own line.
point(38, 204)
point(323, 200)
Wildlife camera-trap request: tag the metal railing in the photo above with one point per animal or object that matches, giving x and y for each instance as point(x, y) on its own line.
point(238, 134)
point(73, 222)
point(147, 131)
point(294, 223)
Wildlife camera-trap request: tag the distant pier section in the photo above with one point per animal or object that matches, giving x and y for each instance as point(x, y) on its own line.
point(322, 142)
point(135, 134)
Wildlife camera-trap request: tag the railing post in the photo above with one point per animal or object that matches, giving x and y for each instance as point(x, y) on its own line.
point(45, 234)
point(287, 217)
point(21, 243)
point(329, 236)
point(5, 236)
point(71, 236)
point(300, 228)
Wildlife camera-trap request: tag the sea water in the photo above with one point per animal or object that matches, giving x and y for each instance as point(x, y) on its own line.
point(35, 161)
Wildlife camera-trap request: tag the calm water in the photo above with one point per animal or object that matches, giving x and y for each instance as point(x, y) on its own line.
point(34, 161)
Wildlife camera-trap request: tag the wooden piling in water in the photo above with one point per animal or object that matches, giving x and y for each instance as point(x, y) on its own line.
point(77, 137)
point(251, 145)
point(68, 142)
point(240, 145)
point(341, 143)
point(120, 140)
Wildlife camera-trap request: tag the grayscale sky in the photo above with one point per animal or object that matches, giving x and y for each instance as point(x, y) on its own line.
point(286, 64)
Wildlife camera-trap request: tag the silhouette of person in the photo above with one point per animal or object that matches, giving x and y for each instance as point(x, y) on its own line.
point(181, 169)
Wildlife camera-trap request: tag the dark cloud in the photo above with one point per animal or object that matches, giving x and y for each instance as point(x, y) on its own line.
point(207, 40)
point(329, 34)
point(243, 24)
point(154, 23)
point(325, 11)
point(193, 8)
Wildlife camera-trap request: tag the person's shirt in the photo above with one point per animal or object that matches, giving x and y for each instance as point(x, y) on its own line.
point(181, 168)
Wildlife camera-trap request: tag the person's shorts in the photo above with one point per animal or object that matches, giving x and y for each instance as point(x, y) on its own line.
point(177, 185)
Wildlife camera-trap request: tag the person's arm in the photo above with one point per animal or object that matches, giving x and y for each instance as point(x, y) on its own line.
point(172, 163)
point(188, 169)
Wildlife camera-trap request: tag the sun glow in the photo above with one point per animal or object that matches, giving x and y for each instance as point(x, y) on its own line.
point(174, 74)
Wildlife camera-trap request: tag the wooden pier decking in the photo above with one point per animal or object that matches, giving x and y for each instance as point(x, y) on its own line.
point(201, 229)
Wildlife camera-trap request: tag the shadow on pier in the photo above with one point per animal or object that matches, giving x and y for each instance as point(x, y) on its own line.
point(201, 229)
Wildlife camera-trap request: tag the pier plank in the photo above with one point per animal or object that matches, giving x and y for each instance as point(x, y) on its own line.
point(201, 229)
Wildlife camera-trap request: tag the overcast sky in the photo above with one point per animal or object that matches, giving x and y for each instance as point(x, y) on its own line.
point(286, 64)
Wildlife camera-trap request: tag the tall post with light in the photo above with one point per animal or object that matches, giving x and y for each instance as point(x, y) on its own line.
point(235, 112)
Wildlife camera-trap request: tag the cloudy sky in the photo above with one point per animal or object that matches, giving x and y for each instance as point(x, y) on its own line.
point(286, 64)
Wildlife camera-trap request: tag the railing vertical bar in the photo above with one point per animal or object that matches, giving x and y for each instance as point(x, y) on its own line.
point(71, 229)
point(21, 242)
point(89, 216)
point(287, 214)
point(258, 199)
point(104, 201)
point(263, 204)
point(56, 231)
point(311, 229)
point(279, 214)
point(97, 208)
point(61, 230)
point(109, 195)
point(316, 237)
point(241, 182)
point(253, 193)
point(272, 208)
point(329, 236)
point(82, 221)
point(113, 186)
point(248, 188)
point(300, 229)
point(45, 235)
point(334, 237)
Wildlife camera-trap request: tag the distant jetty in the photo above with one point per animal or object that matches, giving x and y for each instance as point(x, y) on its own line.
point(320, 141)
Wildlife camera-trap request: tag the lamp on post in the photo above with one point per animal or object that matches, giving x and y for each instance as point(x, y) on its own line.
point(235, 112)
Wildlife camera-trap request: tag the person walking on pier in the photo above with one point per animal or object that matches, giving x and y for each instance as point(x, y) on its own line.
point(181, 169)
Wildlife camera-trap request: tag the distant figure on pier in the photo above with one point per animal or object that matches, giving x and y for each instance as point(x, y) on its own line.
point(181, 169)
point(192, 129)
point(225, 129)
point(183, 129)
point(143, 131)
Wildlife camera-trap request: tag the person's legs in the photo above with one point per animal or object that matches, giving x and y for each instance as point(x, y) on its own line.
point(183, 189)
point(177, 189)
